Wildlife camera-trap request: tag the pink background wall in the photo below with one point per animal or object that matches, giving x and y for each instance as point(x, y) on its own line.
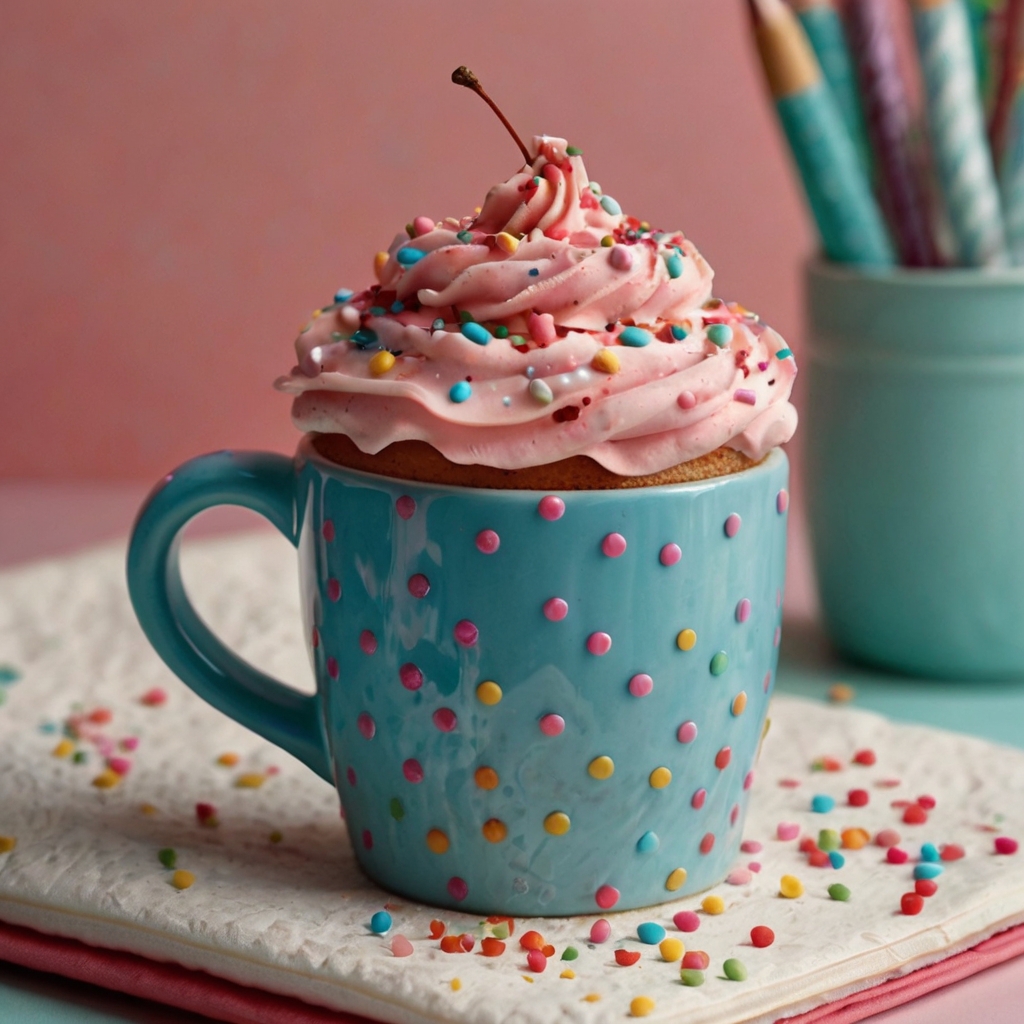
point(181, 183)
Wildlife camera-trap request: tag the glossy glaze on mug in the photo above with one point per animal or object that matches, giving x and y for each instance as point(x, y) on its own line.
point(915, 466)
point(485, 798)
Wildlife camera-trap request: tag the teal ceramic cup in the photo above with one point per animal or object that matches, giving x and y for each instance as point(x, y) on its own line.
point(529, 703)
point(915, 466)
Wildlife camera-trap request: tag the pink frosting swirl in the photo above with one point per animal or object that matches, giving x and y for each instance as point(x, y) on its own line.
point(548, 325)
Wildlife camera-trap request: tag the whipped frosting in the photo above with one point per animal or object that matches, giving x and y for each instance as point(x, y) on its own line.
point(548, 325)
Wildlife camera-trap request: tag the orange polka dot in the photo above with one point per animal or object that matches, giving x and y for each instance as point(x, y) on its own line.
point(486, 778)
point(494, 830)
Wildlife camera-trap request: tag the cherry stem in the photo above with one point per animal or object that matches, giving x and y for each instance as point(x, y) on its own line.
point(463, 76)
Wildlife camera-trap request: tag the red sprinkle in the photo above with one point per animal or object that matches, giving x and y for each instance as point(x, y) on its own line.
point(952, 851)
point(887, 837)
point(531, 940)
point(436, 929)
point(926, 887)
point(466, 941)
point(696, 960)
point(762, 936)
point(154, 698)
point(818, 859)
point(624, 957)
point(894, 855)
point(491, 947)
point(808, 845)
point(911, 903)
point(101, 716)
point(858, 797)
point(206, 813)
point(915, 814)
point(865, 757)
point(1004, 844)
point(452, 944)
point(927, 802)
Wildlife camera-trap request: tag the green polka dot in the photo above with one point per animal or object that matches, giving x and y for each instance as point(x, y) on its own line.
point(719, 663)
point(397, 810)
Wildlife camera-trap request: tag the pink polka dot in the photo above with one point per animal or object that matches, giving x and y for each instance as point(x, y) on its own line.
point(686, 921)
point(782, 501)
point(315, 638)
point(732, 525)
point(351, 775)
point(698, 798)
point(734, 814)
point(686, 400)
point(419, 585)
point(334, 589)
point(411, 676)
point(466, 633)
point(367, 642)
point(367, 726)
point(488, 541)
point(412, 770)
point(777, 637)
point(457, 888)
point(551, 508)
point(743, 610)
point(599, 643)
point(723, 757)
point(754, 866)
point(787, 830)
point(445, 719)
point(687, 732)
point(767, 681)
point(670, 554)
point(641, 685)
point(327, 530)
point(707, 844)
point(748, 781)
point(751, 846)
point(552, 725)
point(332, 667)
point(406, 506)
point(555, 609)
point(367, 839)
point(606, 897)
point(613, 545)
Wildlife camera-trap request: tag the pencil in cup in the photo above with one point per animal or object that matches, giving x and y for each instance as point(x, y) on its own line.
point(957, 131)
point(839, 193)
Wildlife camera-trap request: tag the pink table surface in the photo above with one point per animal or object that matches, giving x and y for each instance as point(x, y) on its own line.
point(50, 519)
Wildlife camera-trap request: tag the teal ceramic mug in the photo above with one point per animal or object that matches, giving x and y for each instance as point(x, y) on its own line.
point(529, 703)
point(915, 466)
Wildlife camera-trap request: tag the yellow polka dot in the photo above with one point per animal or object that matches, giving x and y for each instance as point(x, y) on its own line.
point(488, 693)
point(671, 950)
point(378, 263)
point(660, 778)
point(713, 905)
point(568, 973)
point(739, 704)
point(456, 984)
point(494, 830)
point(381, 362)
point(486, 778)
point(437, 841)
point(791, 887)
point(251, 780)
point(557, 823)
point(7, 843)
point(605, 361)
point(107, 779)
point(63, 749)
point(686, 639)
point(676, 880)
point(641, 1006)
point(592, 997)
point(506, 242)
point(601, 767)
point(182, 879)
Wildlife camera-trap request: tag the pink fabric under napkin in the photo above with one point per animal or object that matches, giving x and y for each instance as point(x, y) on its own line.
point(224, 1000)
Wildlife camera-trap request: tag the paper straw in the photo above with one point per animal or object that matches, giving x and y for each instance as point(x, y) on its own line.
point(873, 40)
point(824, 28)
point(1013, 173)
point(848, 218)
point(957, 131)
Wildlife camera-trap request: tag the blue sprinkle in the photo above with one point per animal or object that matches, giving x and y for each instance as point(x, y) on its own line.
point(930, 853)
point(927, 870)
point(679, 332)
point(719, 334)
point(48, 728)
point(648, 843)
point(837, 859)
point(9, 674)
point(675, 265)
point(610, 206)
point(365, 337)
point(635, 337)
point(380, 923)
point(822, 804)
point(477, 333)
point(407, 255)
point(343, 294)
point(650, 932)
point(438, 324)
point(465, 236)
point(534, 272)
point(530, 371)
point(783, 353)
point(506, 400)
point(460, 391)
point(377, 311)
point(397, 306)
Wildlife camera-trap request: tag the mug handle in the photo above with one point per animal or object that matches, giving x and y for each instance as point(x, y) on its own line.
point(265, 483)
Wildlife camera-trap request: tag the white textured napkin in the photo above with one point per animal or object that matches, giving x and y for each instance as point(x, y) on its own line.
point(278, 902)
